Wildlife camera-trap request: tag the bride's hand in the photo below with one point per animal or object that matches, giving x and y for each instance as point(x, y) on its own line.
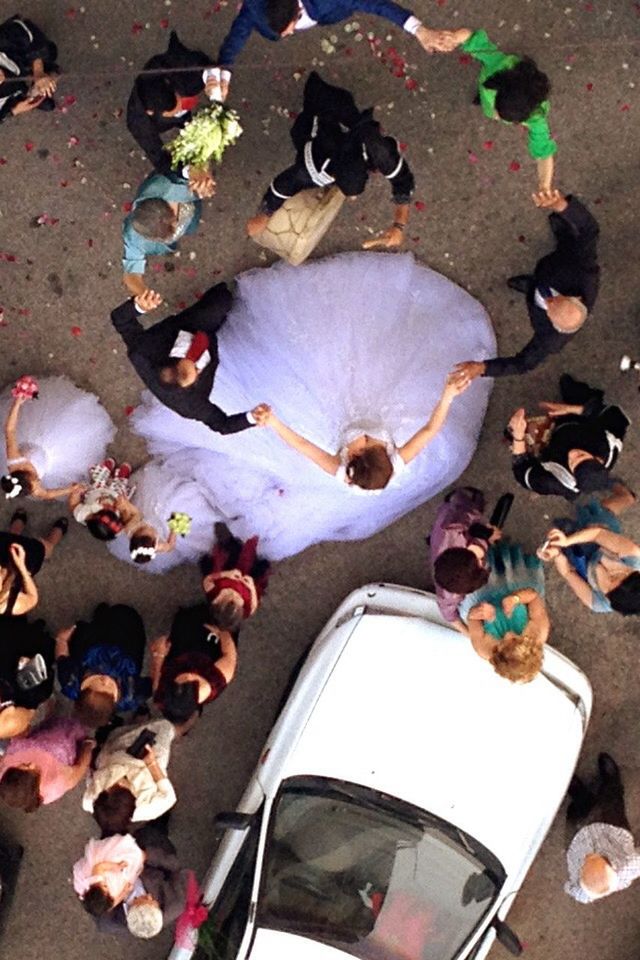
point(455, 386)
point(257, 224)
point(263, 415)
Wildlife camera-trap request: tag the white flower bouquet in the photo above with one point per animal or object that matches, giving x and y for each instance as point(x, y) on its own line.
point(206, 137)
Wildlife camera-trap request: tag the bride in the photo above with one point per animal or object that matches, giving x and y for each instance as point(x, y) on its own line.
point(354, 348)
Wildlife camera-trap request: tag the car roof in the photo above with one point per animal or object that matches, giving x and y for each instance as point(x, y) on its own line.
point(410, 710)
point(268, 944)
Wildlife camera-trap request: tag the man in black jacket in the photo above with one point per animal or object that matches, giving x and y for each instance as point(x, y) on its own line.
point(560, 293)
point(162, 99)
point(178, 357)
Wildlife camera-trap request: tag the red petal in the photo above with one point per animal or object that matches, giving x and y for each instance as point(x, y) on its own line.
point(137, 27)
point(411, 84)
point(624, 107)
point(464, 58)
point(3, 161)
point(589, 86)
point(521, 238)
point(69, 100)
point(402, 146)
point(127, 207)
point(472, 157)
point(70, 14)
point(164, 23)
point(128, 410)
point(29, 146)
point(76, 331)
point(487, 145)
point(514, 166)
point(420, 205)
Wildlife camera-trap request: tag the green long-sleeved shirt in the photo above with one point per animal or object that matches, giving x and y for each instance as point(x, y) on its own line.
point(540, 142)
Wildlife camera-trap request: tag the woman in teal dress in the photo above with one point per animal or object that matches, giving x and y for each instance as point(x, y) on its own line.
point(512, 88)
point(598, 562)
point(507, 619)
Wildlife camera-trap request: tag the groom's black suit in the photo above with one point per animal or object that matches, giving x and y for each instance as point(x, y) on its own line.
point(148, 350)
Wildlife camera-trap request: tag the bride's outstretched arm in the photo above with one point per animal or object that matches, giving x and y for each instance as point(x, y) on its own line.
point(10, 427)
point(327, 461)
point(436, 421)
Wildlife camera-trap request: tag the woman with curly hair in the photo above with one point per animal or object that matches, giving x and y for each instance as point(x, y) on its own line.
point(507, 620)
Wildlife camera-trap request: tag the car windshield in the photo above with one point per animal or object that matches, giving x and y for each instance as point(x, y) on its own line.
point(371, 875)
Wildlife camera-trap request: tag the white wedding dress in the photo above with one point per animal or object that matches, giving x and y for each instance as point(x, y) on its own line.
point(162, 488)
point(63, 432)
point(357, 337)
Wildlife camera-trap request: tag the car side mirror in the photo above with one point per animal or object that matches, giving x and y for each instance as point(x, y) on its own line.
point(233, 820)
point(508, 939)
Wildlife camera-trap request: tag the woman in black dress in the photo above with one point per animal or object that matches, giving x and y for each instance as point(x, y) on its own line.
point(21, 557)
point(27, 68)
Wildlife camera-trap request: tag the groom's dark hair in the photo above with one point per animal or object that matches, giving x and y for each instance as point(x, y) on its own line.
point(280, 13)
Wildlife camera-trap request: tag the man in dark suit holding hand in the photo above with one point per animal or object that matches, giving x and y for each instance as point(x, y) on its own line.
point(177, 358)
point(560, 293)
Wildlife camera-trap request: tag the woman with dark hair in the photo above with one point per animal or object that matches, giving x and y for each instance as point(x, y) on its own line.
point(598, 562)
point(192, 665)
point(162, 99)
point(21, 558)
point(27, 670)
point(507, 620)
point(100, 504)
point(144, 778)
point(28, 68)
point(338, 144)
point(106, 873)
point(99, 663)
point(53, 432)
point(579, 448)
point(41, 767)
point(367, 462)
point(512, 88)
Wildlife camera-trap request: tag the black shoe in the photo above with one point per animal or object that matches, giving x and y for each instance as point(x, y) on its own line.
point(61, 524)
point(608, 768)
point(521, 283)
point(47, 105)
point(223, 534)
point(20, 515)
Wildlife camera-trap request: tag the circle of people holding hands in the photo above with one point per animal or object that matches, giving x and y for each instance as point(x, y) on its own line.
point(488, 587)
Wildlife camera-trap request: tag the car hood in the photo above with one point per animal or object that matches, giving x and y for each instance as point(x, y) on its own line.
point(268, 944)
point(410, 710)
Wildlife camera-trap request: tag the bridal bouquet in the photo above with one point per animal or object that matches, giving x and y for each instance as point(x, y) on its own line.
point(206, 137)
point(179, 523)
point(26, 387)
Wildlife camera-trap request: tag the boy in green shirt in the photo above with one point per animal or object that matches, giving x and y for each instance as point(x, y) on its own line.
point(511, 88)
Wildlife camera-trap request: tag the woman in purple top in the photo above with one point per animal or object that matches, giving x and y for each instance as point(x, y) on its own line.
point(459, 543)
point(42, 767)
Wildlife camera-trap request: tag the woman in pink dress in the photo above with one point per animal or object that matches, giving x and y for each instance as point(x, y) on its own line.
point(42, 767)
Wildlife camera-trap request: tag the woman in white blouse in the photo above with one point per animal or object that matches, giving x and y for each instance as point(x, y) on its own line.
point(123, 788)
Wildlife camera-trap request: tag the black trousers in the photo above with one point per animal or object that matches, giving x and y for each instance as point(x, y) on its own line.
point(601, 801)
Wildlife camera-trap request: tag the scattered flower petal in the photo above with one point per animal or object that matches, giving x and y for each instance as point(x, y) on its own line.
point(487, 145)
point(128, 410)
point(420, 205)
point(514, 166)
point(472, 157)
point(76, 331)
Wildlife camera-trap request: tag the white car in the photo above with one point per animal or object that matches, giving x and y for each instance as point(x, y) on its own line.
point(400, 799)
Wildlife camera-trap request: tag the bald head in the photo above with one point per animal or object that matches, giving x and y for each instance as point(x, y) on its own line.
point(597, 876)
point(567, 314)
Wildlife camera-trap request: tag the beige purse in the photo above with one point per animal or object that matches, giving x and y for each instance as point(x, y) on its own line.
point(298, 226)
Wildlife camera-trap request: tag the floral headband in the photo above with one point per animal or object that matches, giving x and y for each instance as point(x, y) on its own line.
point(143, 552)
point(16, 487)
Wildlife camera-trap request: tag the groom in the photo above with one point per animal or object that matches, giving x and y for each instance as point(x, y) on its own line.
point(275, 19)
point(177, 358)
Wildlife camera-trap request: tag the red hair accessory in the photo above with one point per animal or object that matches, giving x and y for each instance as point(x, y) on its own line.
point(114, 524)
point(25, 386)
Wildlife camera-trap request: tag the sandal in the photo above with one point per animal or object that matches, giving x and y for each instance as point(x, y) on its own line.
point(61, 524)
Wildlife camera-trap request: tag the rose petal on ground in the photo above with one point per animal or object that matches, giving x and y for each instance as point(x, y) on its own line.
point(76, 331)
point(487, 145)
point(420, 205)
point(29, 146)
point(514, 166)
point(128, 410)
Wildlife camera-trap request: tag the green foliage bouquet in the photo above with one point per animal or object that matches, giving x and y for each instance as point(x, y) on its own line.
point(206, 137)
